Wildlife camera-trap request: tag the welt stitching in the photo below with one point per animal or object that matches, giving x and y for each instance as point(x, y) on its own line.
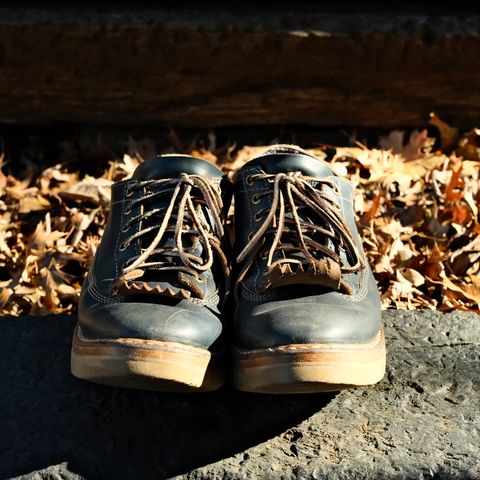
point(95, 293)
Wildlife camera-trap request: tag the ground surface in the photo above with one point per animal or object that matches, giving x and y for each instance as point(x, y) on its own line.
point(421, 421)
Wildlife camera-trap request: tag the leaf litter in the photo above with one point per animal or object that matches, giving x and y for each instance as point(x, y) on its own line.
point(416, 207)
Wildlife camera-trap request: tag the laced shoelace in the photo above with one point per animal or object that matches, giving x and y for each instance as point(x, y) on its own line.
point(300, 244)
point(189, 193)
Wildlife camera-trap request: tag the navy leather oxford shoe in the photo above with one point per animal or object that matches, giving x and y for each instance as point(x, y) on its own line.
point(306, 307)
point(150, 309)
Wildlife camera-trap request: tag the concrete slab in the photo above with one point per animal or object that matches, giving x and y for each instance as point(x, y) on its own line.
point(422, 421)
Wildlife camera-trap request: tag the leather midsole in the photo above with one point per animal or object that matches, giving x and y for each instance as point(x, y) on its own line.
point(314, 352)
point(134, 347)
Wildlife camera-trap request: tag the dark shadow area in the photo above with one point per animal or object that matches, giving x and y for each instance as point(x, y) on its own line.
point(49, 417)
point(30, 149)
point(343, 6)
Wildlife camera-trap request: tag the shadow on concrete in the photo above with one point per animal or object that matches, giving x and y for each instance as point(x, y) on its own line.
point(51, 418)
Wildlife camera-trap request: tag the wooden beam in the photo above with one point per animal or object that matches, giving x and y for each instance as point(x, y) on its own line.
point(211, 68)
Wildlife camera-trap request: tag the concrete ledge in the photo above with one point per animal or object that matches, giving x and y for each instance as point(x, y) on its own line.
point(422, 421)
point(211, 67)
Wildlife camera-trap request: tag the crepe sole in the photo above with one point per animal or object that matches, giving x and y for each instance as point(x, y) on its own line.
point(309, 368)
point(145, 364)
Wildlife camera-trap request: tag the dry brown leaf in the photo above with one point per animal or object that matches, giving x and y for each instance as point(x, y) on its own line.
point(95, 190)
point(415, 147)
point(205, 154)
point(5, 295)
point(411, 275)
point(471, 292)
point(464, 258)
point(127, 166)
point(468, 146)
point(3, 177)
point(33, 204)
point(449, 135)
point(417, 211)
point(81, 222)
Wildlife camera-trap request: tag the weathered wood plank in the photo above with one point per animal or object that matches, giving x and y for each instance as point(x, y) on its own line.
point(212, 68)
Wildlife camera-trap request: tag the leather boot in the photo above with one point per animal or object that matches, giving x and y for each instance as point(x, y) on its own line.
point(150, 309)
point(306, 306)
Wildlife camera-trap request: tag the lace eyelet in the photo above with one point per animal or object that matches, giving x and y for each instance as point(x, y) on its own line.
point(125, 228)
point(250, 179)
point(258, 216)
point(250, 236)
point(128, 210)
point(123, 246)
point(255, 199)
point(129, 191)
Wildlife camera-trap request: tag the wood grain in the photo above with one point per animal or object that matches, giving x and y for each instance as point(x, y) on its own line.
point(214, 67)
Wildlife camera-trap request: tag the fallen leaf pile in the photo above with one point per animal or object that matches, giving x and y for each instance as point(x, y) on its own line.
point(417, 210)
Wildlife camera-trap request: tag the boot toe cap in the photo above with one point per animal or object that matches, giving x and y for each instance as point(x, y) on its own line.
point(189, 324)
point(287, 323)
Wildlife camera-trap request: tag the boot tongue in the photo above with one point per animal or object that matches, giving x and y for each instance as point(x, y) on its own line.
point(324, 272)
point(291, 162)
point(171, 166)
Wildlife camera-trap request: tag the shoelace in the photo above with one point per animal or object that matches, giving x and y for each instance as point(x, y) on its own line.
point(190, 193)
point(294, 235)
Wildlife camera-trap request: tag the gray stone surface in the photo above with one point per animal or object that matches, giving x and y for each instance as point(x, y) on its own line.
point(320, 63)
point(422, 421)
